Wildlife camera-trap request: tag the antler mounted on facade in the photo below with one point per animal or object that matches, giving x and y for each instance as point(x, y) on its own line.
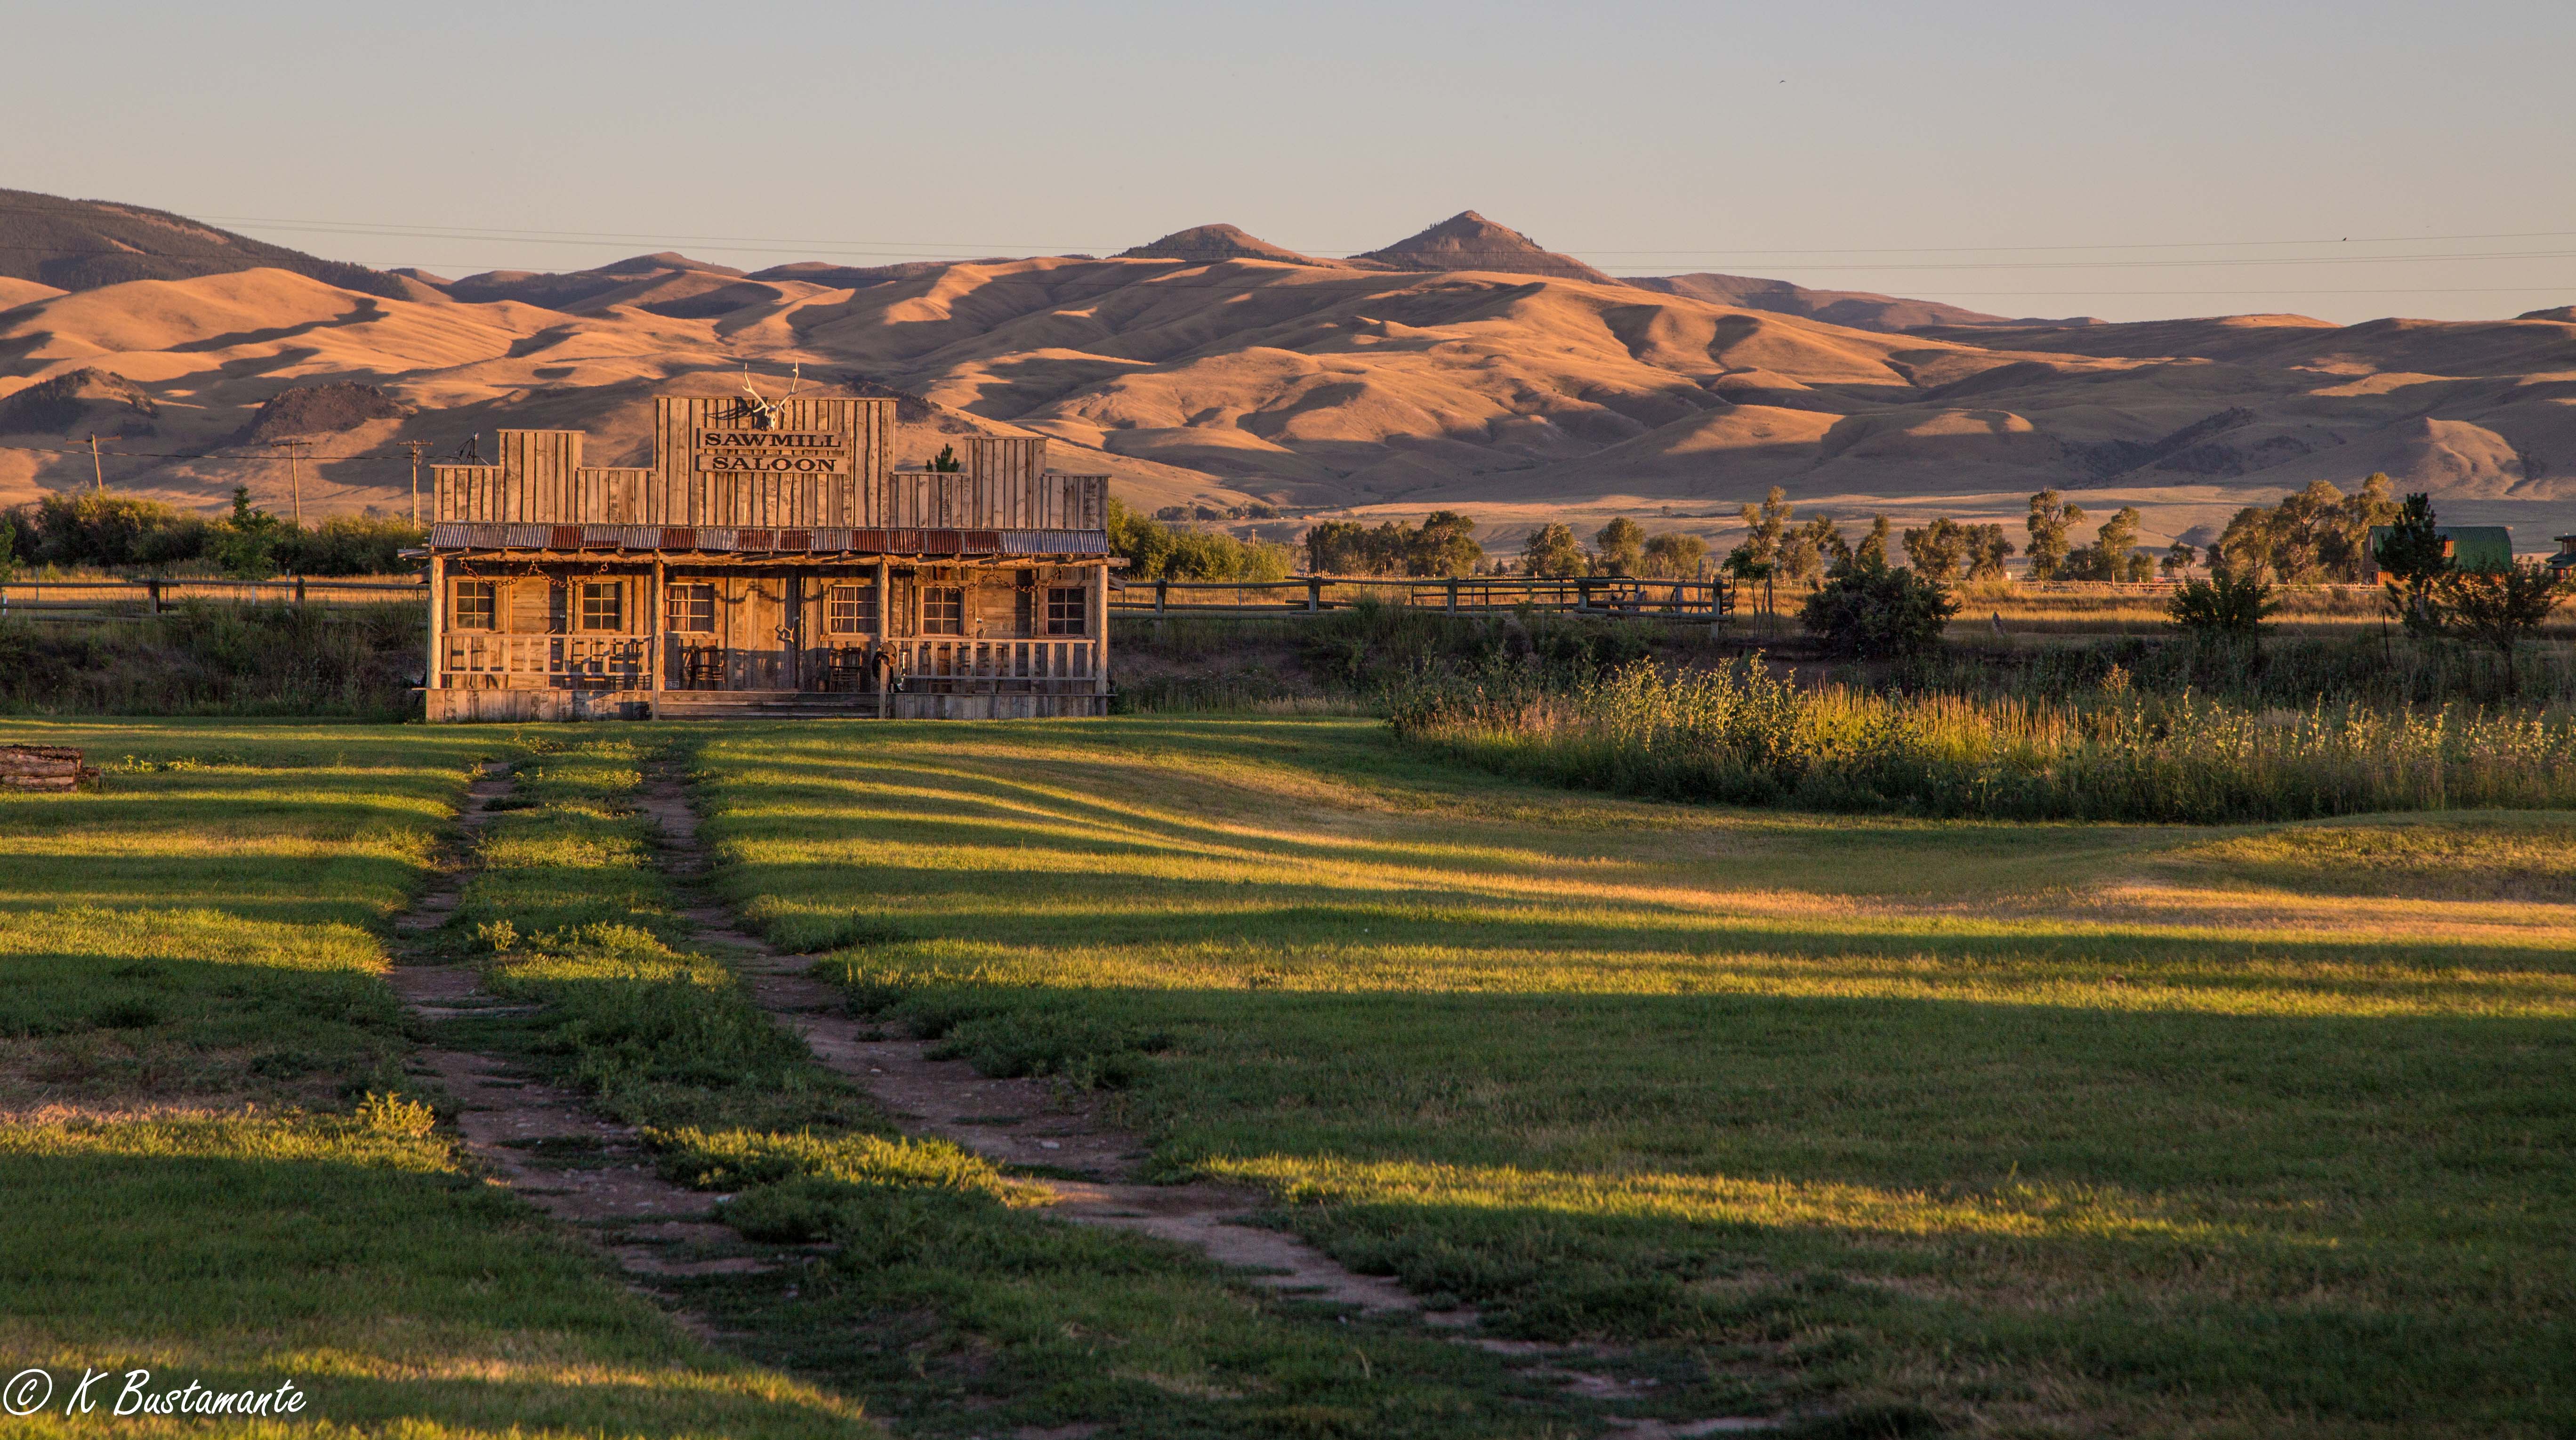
point(769, 412)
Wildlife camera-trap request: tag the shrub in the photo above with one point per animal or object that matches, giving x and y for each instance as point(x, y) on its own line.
point(1872, 611)
point(1159, 552)
point(96, 528)
point(2224, 604)
point(349, 545)
point(2498, 608)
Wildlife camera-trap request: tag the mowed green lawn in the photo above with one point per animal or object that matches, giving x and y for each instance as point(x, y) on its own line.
point(192, 1012)
point(2040, 1129)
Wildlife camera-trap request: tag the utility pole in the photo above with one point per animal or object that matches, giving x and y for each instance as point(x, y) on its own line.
point(294, 474)
point(415, 446)
point(97, 477)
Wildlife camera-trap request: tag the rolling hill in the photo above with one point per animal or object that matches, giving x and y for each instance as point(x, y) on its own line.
point(85, 244)
point(1464, 367)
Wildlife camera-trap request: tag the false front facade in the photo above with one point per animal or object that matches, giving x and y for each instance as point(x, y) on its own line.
point(771, 560)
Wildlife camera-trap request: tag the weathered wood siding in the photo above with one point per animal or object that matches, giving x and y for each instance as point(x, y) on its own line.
point(539, 477)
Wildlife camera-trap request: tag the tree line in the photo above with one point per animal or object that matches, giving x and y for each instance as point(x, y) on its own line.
point(95, 529)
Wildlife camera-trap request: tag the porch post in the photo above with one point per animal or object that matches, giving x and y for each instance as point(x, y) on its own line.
point(653, 640)
point(1100, 647)
point(884, 668)
point(429, 676)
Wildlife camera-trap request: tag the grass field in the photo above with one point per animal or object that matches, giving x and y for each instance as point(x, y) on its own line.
point(2031, 1130)
point(947, 1304)
point(2028, 1129)
point(192, 1014)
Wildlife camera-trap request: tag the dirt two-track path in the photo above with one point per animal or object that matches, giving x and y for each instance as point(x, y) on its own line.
point(543, 1142)
point(1013, 1122)
point(598, 1175)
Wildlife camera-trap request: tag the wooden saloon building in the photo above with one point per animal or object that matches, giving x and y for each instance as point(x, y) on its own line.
point(770, 560)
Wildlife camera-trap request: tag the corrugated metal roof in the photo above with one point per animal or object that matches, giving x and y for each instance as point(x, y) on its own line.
point(2473, 547)
point(749, 540)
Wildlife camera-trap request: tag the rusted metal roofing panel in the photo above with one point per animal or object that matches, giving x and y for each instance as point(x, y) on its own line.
point(1055, 542)
point(719, 539)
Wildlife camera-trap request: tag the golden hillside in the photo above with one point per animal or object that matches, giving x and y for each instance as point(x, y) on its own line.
point(1217, 372)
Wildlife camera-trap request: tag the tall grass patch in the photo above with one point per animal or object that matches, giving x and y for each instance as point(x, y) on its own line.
point(1739, 733)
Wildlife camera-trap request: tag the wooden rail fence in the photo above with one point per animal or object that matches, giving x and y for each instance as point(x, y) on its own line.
point(1313, 594)
point(151, 597)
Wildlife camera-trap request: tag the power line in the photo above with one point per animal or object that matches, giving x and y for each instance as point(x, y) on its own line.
point(196, 455)
point(987, 247)
point(960, 250)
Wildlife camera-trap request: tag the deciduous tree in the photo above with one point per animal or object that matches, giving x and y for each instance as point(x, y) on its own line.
point(2050, 519)
point(1620, 546)
point(1553, 551)
point(1675, 555)
point(1937, 551)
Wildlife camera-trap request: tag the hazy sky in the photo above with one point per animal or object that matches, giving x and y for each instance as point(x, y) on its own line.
point(2127, 161)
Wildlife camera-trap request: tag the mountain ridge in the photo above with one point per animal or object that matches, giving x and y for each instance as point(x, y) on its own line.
point(1516, 396)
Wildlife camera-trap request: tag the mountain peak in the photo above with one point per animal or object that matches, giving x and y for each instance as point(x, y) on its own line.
point(1217, 242)
point(662, 260)
point(1469, 241)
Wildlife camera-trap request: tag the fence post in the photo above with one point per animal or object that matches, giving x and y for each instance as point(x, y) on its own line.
point(1162, 595)
point(1314, 594)
point(299, 592)
point(1453, 597)
point(156, 597)
point(1582, 595)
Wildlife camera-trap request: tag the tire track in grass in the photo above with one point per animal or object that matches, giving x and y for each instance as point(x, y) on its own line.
point(1026, 1123)
point(523, 1131)
point(1015, 1122)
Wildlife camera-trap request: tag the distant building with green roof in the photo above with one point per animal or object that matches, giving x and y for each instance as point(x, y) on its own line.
point(2470, 547)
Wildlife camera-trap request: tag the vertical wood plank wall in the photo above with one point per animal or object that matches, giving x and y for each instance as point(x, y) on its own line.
point(539, 478)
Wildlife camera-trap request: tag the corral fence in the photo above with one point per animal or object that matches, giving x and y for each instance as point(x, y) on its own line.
point(1314, 594)
point(125, 598)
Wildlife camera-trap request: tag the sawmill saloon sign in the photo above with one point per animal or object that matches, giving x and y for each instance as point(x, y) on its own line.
point(771, 452)
point(757, 444)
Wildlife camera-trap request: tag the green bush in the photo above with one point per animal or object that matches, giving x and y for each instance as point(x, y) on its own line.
point(1872, 611)
point(95, 528)
point(113, 532)
point(2223, 604)
point(350, 545)
point(1159, 552)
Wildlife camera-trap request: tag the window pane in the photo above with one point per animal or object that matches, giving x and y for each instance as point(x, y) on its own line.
point(691, 609)
point(943, 610)
point(603, 605)
point(850, 610)
point(1065, 609)
point(474, 605)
